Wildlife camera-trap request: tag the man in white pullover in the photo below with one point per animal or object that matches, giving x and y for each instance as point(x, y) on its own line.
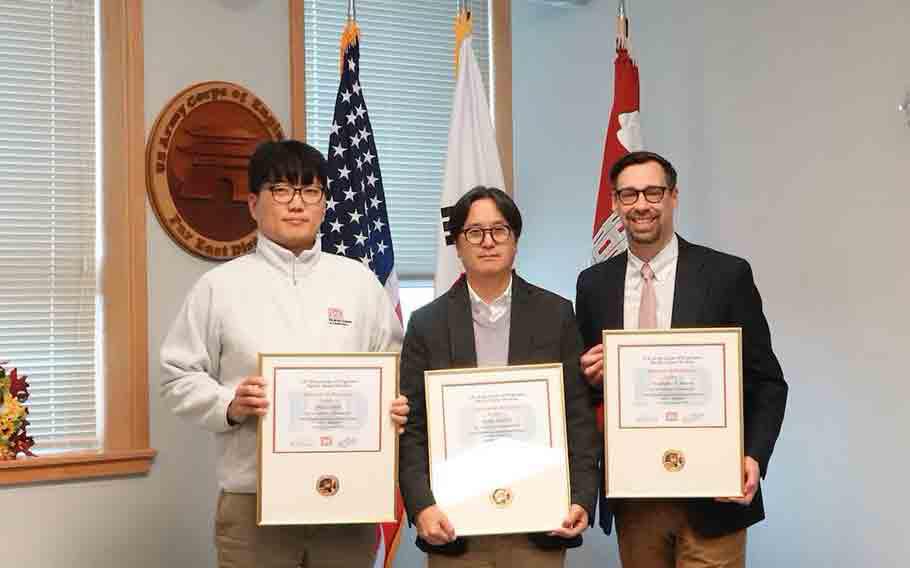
point(277, 299)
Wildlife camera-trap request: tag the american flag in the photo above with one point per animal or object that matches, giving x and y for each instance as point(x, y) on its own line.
point(356, 221)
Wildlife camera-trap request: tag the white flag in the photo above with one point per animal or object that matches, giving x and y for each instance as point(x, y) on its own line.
point(473, 158)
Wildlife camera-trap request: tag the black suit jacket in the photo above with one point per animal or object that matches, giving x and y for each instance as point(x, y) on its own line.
point(542, 329)
point(713, 289)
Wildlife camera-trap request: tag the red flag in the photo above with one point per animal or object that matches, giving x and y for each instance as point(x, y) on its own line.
point(623, 136)
point(389, 536)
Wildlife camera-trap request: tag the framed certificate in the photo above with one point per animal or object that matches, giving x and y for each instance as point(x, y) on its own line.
point(328, 449)
point(673, 412)
point(497, 443)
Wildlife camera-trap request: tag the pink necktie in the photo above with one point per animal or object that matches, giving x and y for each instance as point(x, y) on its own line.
point(647, 311)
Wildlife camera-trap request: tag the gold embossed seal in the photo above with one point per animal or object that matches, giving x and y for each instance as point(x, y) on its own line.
point(674, 460)
point(501, 497)
point(327, 485)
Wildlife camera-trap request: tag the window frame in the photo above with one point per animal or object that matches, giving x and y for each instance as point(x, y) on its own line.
point(122, 273)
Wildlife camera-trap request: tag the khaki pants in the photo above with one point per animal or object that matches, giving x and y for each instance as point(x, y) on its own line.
point(505, 551)
point(656, 533)
point(242, 544)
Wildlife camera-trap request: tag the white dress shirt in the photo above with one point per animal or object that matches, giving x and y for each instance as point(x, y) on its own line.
point(485, 313)
point(492, 323)
point(664, 267)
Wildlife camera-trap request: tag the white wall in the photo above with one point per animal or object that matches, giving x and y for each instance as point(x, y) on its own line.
point(782, 120)
point(245, 42)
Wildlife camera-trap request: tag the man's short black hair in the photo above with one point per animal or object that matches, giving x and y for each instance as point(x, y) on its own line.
point(642, 157)
point(504, 204)
point(287, 160)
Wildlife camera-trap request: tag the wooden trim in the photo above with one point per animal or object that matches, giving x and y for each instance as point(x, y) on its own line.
point(501, 30)
point(298, 70)
point(122, 274)
point(75, 466)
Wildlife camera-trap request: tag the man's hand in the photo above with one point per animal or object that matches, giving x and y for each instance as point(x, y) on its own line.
point(249, 400)
point(750, 483)
point(575, 523)
point(434, 527)
point(592, 365)
point(399, 412)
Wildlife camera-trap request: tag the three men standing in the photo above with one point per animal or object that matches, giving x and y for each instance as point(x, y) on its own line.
point(277, 298)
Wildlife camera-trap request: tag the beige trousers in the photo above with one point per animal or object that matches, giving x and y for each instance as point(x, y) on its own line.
point(504, 551)
point(243, 544)
point(656, 533)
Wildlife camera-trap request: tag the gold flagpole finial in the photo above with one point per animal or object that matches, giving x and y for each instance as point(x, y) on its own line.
point(350, 34)
point(463, 29)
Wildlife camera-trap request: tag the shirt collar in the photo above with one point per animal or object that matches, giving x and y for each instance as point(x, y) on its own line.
point(291, 265)
point(661, 261)
point(490, 313)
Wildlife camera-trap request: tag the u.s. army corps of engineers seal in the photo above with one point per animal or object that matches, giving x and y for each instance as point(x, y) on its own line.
point(196, 167)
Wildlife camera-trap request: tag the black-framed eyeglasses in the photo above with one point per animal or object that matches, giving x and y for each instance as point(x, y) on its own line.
point(652, 193)
point(499, 234)
point(283, 193)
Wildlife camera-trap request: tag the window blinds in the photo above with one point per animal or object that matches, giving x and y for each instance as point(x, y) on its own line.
point(407, 55)
point(48, 221)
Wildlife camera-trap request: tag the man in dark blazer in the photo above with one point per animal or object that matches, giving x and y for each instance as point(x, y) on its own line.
point(693, 286)
point(491, 317)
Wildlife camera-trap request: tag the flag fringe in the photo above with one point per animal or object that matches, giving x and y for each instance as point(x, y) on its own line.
point(463, 28)
point(351, 34)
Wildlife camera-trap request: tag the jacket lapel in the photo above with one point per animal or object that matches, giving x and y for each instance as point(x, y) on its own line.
point(615, 287)
point(689, 292)
point(461, 327)
point(520, 322)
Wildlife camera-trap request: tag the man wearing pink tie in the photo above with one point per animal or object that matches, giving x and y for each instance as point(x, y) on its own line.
point(665, 282)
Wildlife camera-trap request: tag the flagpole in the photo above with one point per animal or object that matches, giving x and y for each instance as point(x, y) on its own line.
point(622, 26)
point(356, 223)
point(350, 34)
